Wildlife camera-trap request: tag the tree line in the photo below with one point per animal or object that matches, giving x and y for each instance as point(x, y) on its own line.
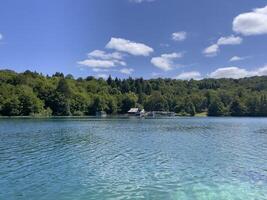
point(33, 94)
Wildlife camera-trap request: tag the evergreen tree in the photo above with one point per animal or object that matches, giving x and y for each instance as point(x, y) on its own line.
point(109, 80)
point(64, 88)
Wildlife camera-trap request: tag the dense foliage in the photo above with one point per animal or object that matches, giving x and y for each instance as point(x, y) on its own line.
point(31, 93)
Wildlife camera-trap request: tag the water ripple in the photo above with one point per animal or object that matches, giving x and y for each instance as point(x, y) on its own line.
point(168, 158)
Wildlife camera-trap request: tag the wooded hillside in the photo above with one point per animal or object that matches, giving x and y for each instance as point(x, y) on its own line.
point(31, 93)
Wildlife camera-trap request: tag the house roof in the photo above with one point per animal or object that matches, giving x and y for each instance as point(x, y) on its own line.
point(133, 110)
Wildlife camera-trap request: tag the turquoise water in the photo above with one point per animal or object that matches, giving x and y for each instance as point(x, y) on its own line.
point(171, 158)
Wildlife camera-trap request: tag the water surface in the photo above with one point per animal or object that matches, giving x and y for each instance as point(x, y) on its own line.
point(171, 158)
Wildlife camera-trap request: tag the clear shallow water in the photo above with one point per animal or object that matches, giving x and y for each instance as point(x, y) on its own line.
point(173, 158)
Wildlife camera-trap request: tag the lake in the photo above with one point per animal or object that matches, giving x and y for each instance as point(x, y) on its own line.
point(120, 158)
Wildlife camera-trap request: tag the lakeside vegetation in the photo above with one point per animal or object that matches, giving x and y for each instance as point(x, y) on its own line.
point(33, 94)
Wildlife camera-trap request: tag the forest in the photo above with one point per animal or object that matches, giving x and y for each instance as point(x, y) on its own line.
point(33, 94)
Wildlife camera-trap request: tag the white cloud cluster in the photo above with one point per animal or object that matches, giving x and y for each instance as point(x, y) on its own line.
point(251, 23)
point(166, 61)
point(101, 59)
point(225, 72)
point(179, 36)
point(236, 72)
point(189, 75)
point(127, 71)
point(213, 50)
point(133, 48)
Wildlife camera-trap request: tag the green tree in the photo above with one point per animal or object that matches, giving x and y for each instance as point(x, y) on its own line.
point(29, 102)
point(99, 104)
point(216, 108)
point(112, 106)
point(64, 88)
point(79, 104)
point(59, 104)
point(190, 108)
point(11, 107)
point(129, 101)
point(237, 108)
point(252, 105)
point(262, 108)
point(156, 102)
point(109, 80)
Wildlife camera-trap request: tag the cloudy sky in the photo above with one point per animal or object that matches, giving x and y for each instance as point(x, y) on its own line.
point(181, 39)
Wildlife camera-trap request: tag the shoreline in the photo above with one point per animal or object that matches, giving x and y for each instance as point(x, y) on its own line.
point(122, 116)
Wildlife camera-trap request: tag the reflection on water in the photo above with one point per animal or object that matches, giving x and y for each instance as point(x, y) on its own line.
point(172, 158)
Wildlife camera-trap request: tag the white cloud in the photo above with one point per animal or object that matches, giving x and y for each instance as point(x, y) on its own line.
point(262, 71)
point(236, 58)
point(236, 72)
point(96, 63)
point(100, 70)
point(127, 71)
point(229, 72)
point(251, 23)
point(105, 56)
point(1, 36)
point(101, 59)
point(230, 40)
point(179, 36)
point(189, 75)
point(141, 1)
point(123, 45)
point(213, 50)
point(93, 63)
point(165, 61)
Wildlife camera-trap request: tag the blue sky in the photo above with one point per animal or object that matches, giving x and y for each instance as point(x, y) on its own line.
point(162, 38)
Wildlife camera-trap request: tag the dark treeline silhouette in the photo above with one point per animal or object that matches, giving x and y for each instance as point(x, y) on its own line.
point(31, 93)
